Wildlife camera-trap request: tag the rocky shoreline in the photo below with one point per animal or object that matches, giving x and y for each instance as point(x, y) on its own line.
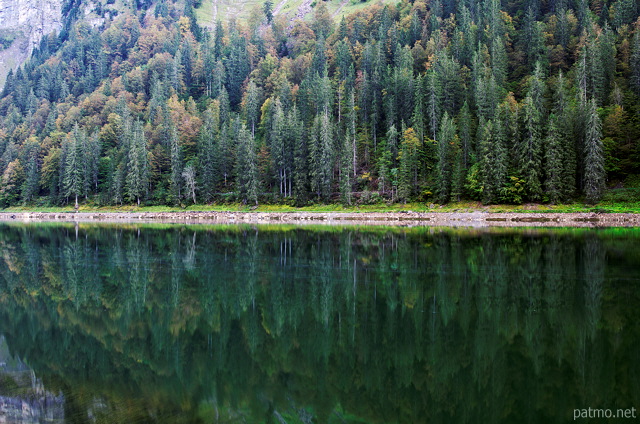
point(465, 219)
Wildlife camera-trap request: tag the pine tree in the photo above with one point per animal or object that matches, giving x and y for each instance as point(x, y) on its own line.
point(267, 9)
point(594, 174)
point(635, 63)
point(246, 168)
point(251, 106)
point(553, 160)
point(346, 171)
point(279, 148)
point(321, 156)
point(493, 160)
point(408, 166)
point(30, 187)
point(175, 181)
point(564, 111)
point(433, 101)
point(466, 142)
point(300, 155)
point(208, 151)
point(530, 149)
point(446, 141)
point(350, 129)
point(137, 181)
point(73, 172)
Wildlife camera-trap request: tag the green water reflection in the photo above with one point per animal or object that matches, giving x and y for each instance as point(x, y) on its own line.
point(149, 323)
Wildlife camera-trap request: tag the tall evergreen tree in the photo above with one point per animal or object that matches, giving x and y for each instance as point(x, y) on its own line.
point(493, 160)
point(553, 159)
point(175, 180)
point(446, 142)
point(594, 174)
point(321, 156)
point(30, 187)
point(73, 166)
point(137, 181)
point(208, 151)
point(530, 149)
point(635, 63)
point(246, 168)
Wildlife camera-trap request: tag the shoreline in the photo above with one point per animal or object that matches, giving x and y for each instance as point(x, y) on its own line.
point(408, 218)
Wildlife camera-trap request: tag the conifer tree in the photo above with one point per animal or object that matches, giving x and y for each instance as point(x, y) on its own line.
point(466, 143)
point(279, 147)
point(321, 156)
point(208, 151)
point(594, 173)
point(30, 187)
point(553, 159)
point(408, 164)
point(251, 105)
point(175, 181)
point(635, 63)
point(346, 171)
point(530, 149)
point(73, 165)
point(137, 181)
point(492, 169)
point(300, 157)
point(446, 141)
point(246, 168)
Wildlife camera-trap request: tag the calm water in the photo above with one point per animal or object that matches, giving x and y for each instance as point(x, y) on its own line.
point(343, 325)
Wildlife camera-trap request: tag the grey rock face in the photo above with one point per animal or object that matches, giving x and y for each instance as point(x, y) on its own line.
point(29, 21)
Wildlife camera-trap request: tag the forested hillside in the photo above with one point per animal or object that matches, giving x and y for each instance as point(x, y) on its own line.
point(436, 100)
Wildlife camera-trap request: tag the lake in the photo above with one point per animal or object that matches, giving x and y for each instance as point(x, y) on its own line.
point(141, 323)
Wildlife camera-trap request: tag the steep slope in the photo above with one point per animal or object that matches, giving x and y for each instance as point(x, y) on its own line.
point(23, 23)
point(408, 102)
point(211, 10)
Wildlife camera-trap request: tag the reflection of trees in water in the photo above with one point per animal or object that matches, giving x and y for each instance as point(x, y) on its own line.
point(407, 326)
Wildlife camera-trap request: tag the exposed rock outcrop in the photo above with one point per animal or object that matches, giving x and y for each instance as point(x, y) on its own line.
point(26, 21)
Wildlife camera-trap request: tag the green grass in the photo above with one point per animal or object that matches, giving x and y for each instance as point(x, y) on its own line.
point(606, 206)
point(241, 9)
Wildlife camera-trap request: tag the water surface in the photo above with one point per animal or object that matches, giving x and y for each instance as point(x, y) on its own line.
point(176, 323)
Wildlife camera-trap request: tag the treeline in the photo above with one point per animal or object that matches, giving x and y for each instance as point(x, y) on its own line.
point(439, 100)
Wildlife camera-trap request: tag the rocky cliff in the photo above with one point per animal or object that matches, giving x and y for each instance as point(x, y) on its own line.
point(23, 23)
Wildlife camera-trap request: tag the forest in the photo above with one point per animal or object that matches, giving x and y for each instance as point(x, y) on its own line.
point(508, 101)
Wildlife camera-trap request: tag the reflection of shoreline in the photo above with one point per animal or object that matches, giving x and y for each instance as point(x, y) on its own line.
point(465, 219)
point(28, 401)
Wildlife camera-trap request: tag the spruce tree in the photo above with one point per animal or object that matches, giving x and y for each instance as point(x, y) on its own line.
point(30, 187)
point(73, 166)
point(175, 179)
point(446, 139)
point(346, 171)
point(553, 155)
point(530, 149)
point(300, 155)
point(246, 168)
point(493, 157)
point(635, 63)
point(594, 172)
point(208, 151)
point(137, 181)
point(466, 142)
point(321, 156)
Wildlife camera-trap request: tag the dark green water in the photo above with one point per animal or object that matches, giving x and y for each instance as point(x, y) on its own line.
point(343, 325)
